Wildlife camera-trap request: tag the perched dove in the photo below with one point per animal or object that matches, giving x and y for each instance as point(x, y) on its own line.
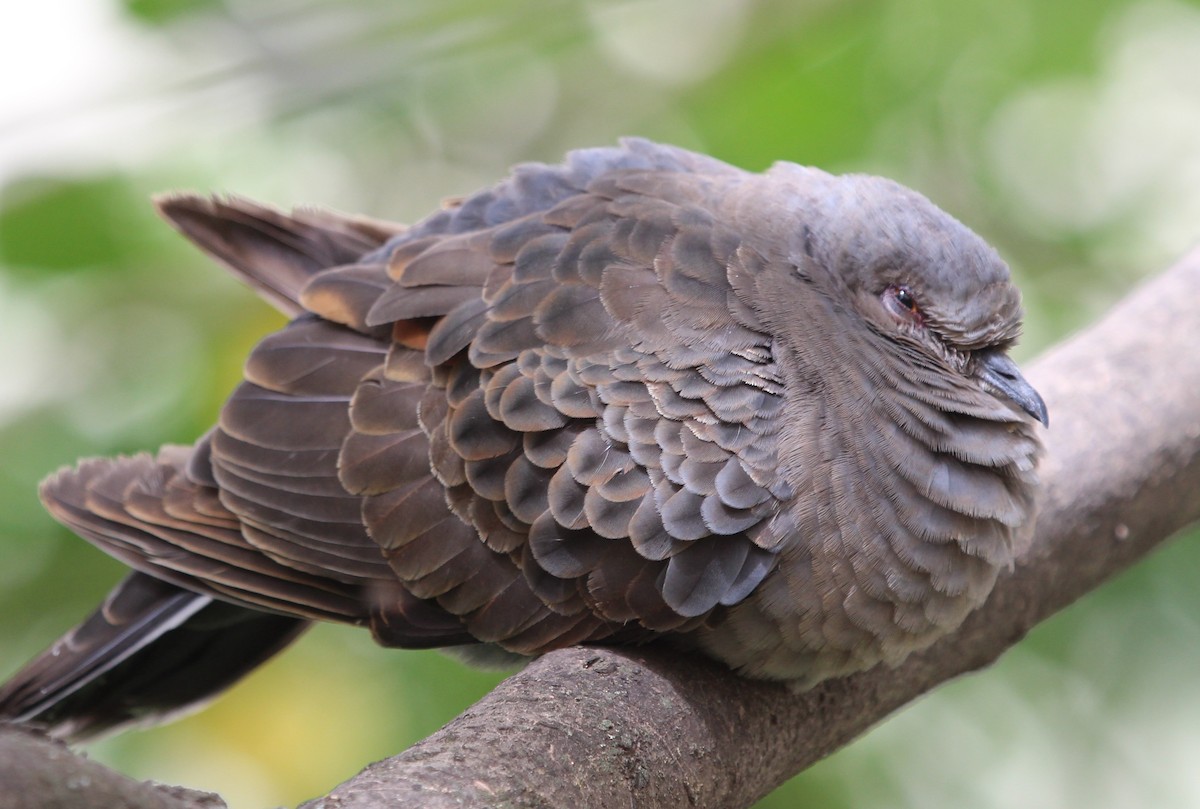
point(639, 395)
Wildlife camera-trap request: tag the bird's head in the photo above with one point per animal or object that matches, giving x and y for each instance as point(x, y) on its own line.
point(917, 277)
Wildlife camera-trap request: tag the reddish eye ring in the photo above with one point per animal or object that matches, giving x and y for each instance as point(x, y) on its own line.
point(902, 303)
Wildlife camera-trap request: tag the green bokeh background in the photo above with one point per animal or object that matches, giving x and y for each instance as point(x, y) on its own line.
point(1067, 132)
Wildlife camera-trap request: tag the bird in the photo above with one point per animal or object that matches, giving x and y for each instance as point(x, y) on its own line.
point(637, 396)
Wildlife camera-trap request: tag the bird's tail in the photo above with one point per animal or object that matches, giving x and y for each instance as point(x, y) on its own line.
point(165, 640)
point(182, 628)
point(152, 650)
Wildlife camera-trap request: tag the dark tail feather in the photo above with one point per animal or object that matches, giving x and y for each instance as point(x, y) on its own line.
point(273, 252)
point(151, 651)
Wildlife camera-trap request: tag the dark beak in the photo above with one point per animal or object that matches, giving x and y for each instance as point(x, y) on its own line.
point(1002, 375)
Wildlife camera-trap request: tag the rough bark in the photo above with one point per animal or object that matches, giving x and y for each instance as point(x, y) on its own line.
point(38, 773)
point(650, 727)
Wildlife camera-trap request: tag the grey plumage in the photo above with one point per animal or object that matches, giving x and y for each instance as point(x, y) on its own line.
point(641, 394)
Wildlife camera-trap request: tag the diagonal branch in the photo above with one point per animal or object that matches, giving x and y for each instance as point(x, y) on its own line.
point(592, 727)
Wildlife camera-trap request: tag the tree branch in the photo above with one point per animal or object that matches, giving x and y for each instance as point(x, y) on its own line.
point(595, 727)
point(38, 773)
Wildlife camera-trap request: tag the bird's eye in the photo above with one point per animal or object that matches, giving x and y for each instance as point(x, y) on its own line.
point(902, 303)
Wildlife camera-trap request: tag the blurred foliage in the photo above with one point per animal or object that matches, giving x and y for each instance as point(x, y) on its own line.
point(166, 12)
point(1066, 132)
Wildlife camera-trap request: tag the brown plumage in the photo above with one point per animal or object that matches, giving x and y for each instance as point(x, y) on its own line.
point(641, 394)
